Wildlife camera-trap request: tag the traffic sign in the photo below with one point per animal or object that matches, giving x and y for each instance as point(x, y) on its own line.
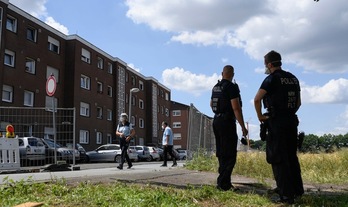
point(51, 85)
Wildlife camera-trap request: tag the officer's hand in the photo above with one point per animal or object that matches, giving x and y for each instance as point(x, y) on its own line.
point(245, 132)
point(263, 118)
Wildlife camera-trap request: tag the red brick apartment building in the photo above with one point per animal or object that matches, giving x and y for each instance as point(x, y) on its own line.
point(180, 124)
point(93, 82)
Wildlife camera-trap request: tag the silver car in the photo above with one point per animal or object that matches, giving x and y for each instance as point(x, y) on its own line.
point(105, 153)
point(31, 149)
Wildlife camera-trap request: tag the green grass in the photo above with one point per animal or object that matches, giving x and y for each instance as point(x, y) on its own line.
point(319, 168)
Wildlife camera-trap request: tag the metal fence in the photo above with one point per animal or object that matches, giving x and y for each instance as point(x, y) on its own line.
point(44, 137)
point(201, 134)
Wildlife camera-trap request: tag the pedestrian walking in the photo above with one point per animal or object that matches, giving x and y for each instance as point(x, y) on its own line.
point(167, 142)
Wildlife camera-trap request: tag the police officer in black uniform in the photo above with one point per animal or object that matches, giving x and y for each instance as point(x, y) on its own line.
point(281, 91)
point(226, 104)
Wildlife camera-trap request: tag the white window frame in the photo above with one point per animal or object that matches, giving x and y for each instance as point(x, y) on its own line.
point(99, 112)
point(84, 136)
point(99, 138)
point(110, 68)
point(85, 55)
point(141, 85)
point(176, 124)
point(177, 136)
point(141, 123)
point(109, 138)
point(84, 109)
point(99, 87)
point(167, 112)
point(28, 98)
point(109, 91)
point(30, 65)
point(54, 71)
point(7, 93)
point(9, 58)
point(167, 96)
point(53, 45)
point(176, 112)
point(109, 115)
point(100, 63)
point(33, 34)
point(11, 24)
point(85, 82)
point(141, 104)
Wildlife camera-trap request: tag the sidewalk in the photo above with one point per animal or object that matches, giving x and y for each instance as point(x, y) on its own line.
point(154, 174)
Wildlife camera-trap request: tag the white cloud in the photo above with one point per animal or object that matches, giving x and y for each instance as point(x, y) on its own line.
point(131, 65)
point(37, 9)
point(335, 91)
point(309, 34)
point(181, 80)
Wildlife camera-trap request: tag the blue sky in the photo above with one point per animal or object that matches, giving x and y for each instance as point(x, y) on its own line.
point(184, 44)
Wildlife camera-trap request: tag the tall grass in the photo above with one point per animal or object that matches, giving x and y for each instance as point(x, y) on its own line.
point(316, 168)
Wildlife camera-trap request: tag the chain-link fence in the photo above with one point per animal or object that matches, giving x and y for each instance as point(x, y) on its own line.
point(201, 134)
point(44, 137)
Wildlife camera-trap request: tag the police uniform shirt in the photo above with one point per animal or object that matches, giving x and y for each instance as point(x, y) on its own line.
point(283, 91)
point(230, 91)
point(124, 128)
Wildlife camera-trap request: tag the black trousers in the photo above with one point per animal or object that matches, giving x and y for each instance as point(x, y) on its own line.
point(124, 154)
point(226, 140)
point(168, 149)
point(281, 152)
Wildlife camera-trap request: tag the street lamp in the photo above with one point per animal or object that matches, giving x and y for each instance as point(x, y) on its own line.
point(133, 90)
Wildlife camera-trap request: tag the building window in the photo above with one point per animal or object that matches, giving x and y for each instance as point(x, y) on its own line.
point(29, 65)
point(176, 124)
point(109, 138)
point(100, 87)
point(53, 45)
point(84, 109)
point(31, 34)
point(177, 136)
point(167, 97)
point(9, 58)
point(176, 112)
point(85, 82)
point(7, 93)
point(141, 104)
point(85, 56)
point(100, 63)
point(52, 71)
point(110, 91)
point(109, 115)
point(133, 81)
point(99, 138)
point(28, 98)
point(11, 24)
point(110, 68)
point(141, 85)
point(84, 136)
point(167, 112)
point(49, 104)
point(132, 121)
point(141, 123)
point(99, 112)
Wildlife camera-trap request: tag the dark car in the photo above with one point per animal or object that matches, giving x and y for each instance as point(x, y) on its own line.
point(82, 151)
point(63, 153)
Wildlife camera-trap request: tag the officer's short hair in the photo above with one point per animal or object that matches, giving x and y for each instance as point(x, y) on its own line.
point(274, 58)
point(165, 123)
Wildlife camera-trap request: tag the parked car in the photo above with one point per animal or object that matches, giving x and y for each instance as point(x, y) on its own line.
point(105, 153)
point(182, 154)
point(81, 150)
point(160, 152)
point(153, 153)
point(133, 155)
point(63, 153)
point(31, 149)
point(143, 152)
